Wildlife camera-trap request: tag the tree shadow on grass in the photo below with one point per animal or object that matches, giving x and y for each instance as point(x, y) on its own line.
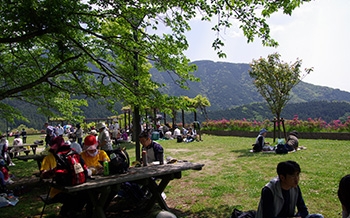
point(208, 212)
point(245, 152)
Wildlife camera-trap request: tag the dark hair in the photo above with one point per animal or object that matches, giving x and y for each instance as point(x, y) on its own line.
point(144, 134)
point(344, 192)
point(288, 168)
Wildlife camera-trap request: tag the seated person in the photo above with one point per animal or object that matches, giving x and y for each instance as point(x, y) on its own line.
point(4, 144)
point(282, 195)
point(154, 150)
point(72, 203)
point(93, 156)
point(292, 141)
point(17, 143)
point(74, 144)
point(344, 195)
point(191, 135)
point(4, 176)
point(260, 143)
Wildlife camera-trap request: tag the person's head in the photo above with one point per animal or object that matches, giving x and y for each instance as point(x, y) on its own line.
point(263, 132)
point(288, 173)
point(46, 125)
point(294, 133)
point(100, 126)
point(145, 138)
point(90, 145)
point(56, 143)
point(344, 193)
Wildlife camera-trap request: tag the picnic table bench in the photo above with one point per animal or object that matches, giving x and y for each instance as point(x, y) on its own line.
point(23, 148)
point(99, 187)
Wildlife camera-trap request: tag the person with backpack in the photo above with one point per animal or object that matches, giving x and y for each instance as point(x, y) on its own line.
point(51, 169)
point(282, 195)
point(93, 156)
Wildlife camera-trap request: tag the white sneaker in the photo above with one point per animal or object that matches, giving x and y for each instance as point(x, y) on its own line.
point(12, 164)
point(163, 195)
point(9, 181)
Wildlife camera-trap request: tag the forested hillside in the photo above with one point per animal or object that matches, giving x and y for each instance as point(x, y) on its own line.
point(232, 95)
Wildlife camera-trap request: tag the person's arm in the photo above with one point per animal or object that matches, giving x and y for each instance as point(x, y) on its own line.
point(267, 203)
point(302, 209)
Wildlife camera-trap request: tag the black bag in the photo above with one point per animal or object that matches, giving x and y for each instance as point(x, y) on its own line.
point(179, 138)
point(241, 214)
point(120, 161)
point(281, 149)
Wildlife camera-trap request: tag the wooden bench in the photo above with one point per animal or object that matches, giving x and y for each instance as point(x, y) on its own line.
point(22, 148)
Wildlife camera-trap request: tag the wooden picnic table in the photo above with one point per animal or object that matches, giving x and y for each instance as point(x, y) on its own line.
point(22, 148)
point(100, 186)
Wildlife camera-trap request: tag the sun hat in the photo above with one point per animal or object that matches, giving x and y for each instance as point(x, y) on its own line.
point(90, 142)
point(56, 142)
point(262, 131)
point(100, 125)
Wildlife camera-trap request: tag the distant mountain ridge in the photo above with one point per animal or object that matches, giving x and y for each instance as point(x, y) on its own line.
point(232, 95)
point(229, 85)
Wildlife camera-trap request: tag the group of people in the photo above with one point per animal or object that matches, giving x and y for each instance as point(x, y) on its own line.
point(260, 144)
point(181, 135)
point(95, 150)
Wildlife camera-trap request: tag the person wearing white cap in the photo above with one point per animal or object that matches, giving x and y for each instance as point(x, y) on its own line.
point(104, 138)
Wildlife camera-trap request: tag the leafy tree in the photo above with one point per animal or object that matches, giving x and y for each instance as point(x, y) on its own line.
point(274, 79)
point(70, 50)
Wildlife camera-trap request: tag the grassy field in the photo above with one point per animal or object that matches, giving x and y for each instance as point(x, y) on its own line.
point(232, 177)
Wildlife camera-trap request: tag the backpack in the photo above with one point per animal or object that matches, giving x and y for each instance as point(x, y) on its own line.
point(179, 138)
point(281, 149)
point(119, 161)
point(71, 169)
point(243, 214)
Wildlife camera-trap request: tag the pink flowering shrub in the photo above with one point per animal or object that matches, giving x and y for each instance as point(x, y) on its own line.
point(309, 125)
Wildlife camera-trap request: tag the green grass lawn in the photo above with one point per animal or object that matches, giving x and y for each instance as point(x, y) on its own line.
point(232, 177)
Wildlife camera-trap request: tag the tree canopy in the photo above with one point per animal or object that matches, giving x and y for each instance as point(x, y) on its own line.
point(274, 79)
point(56, 53)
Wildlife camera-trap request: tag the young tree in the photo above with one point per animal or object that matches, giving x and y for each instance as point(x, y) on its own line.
point(274, 79)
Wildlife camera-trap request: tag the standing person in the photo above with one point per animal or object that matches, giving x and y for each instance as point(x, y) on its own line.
point(154, 150)
point(282, 195)
point(24, 136)
point(344, 195)
point(260, 141)
point(50, 133)
point(79, 133)
point(104, 138)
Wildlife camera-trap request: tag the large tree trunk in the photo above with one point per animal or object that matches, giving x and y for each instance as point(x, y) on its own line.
point(136, 132)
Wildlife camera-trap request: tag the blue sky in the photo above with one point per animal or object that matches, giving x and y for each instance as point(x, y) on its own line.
point(318, 33)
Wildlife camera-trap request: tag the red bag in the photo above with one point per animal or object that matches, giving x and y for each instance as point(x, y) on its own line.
point(71, 169)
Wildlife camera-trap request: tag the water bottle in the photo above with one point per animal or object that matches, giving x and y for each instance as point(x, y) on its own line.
point(105, 167)
point(144, 157)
